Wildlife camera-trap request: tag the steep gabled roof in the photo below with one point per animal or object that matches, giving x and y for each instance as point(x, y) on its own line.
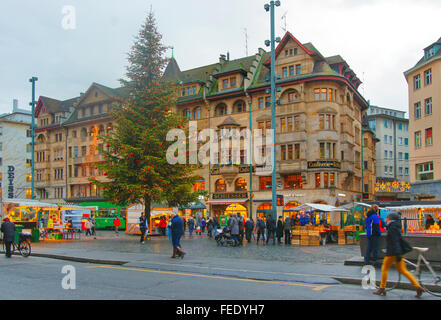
point(308, 48)
point(172, 72)
point(53, 105)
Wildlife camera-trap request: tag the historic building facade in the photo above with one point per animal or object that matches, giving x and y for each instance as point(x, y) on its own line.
point(424, 87)
point(15, 154)
point(318, 127)
point(67, 140)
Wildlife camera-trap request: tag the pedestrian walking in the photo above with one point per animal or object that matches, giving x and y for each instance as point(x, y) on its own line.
point(142, 221)
point(93, 224)
point(215, 225)
point(248, 229)
point(88, 227)
point(234, 227)
point(163, 225)
point(190, 226)
point(260, 226)
point(279, 230)
point(241, 228)
point(177, 229)
point(203, 224)
point(287, 229)
point(270, 229)
point(210, 227)
point(396, 248)
point(116, 224)
point(373, 234)
point(8, 230)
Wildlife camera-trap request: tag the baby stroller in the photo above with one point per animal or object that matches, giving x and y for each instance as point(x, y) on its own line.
point(224, 238)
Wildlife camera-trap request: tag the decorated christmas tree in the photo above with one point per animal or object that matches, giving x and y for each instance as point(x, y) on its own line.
point(136, 166)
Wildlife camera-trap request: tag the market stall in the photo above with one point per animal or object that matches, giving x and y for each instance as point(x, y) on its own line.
point(415, 218)
point(47, 221)
point(319, 224)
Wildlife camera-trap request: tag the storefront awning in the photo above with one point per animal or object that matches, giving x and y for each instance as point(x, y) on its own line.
point(193, 206)
point(317, 207)
point(227, 201)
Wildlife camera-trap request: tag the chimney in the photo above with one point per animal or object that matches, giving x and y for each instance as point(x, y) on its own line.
point(14, 105)
point(228, 56)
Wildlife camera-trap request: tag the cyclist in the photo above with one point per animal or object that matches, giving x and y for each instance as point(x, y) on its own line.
point(8, 229)
point(395, 255)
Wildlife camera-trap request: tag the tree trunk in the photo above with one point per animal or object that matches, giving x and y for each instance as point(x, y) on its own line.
point(147, 211)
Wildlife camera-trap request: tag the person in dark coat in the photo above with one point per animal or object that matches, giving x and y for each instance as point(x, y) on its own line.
point(287, 230)
point(279, 230)
point(373, 235)
point(395, 255)
point(260, 229)
point(177, 229)
point(234, 227)
point(248, 230)
point(429, 222)
point(8, 229)
point(142, 226)
point(270, 229)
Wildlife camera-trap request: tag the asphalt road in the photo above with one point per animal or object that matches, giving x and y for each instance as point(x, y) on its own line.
point(42, 279)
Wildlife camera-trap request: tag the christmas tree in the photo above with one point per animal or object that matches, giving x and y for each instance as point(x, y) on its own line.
point(136, 167)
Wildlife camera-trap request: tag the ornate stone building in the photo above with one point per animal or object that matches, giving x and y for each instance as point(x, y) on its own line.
point(318, 126)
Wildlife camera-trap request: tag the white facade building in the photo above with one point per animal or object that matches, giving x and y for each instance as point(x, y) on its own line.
point(15, 154)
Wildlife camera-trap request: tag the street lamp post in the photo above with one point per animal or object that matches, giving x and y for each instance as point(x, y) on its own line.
point(271, 8)
point(33, 103)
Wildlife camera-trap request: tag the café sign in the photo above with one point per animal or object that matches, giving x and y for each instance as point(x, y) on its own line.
point(324, 165)
point(230, 195)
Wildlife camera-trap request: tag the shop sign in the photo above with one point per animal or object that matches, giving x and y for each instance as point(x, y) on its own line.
point(11, 176)
point(233, 195)
point(245, 169)
point(324, 165)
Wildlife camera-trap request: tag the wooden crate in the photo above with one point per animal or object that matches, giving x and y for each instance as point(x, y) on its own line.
point(304, 242)
point(295, 242)
point(304, 232)
point(341, 242)
point(314, 243)
point(314, 233)
point(350, 241)
point(296, 233)
point(296, 238)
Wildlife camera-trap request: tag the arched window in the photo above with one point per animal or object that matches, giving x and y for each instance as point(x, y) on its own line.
point(83, 133)
point(221, 109)
point(239, 106)
point(197, 113)
point(101, 130)
point(240, 184)
point(220, 185)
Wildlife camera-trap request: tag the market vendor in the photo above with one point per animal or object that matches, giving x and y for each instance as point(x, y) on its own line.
point(429, 222)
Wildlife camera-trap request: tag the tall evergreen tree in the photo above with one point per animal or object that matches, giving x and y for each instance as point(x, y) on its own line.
point(135, 153)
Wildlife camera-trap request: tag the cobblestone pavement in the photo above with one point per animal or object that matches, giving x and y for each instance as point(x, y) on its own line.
point(202, 246)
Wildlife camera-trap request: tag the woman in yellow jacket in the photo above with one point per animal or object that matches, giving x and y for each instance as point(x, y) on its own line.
point(395, 255)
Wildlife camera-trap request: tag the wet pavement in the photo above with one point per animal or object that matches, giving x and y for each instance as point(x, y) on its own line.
point(110, 244)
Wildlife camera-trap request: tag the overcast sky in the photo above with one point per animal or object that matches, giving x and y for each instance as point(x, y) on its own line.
point(380, 39)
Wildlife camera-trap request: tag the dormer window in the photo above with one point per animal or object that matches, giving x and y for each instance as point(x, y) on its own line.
point(225, 83)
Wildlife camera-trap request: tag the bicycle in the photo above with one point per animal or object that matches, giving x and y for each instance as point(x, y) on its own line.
point(425, 283)
point(24, 247)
